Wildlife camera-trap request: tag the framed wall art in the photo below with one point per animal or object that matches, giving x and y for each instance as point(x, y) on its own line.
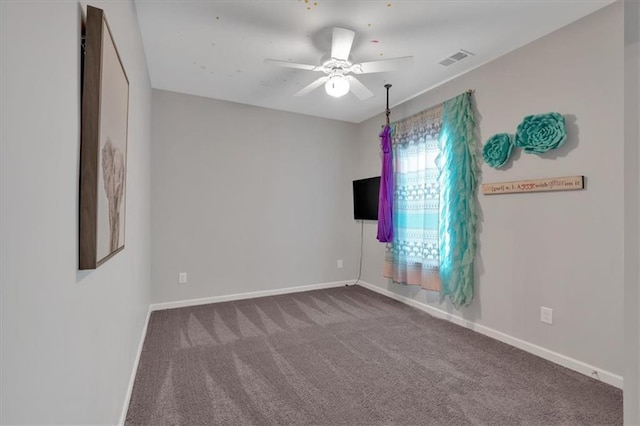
point(103, 146)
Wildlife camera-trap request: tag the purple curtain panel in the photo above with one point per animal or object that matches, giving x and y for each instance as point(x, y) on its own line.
point(385, 200)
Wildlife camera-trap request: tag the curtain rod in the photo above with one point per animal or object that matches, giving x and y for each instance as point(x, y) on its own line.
point(468, 92)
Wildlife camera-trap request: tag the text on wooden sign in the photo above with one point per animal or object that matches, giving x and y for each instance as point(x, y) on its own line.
point(535, 185)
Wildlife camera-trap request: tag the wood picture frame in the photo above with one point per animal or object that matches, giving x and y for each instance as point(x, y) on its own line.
point(103, 145)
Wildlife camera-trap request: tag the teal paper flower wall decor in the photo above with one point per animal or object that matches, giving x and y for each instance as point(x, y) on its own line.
point(497, 150)
point(540, 133)
point(536, 134)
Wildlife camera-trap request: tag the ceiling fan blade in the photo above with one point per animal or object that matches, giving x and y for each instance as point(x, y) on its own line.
point(359, 89)
point(313, 86)
point(341, 43)
point(383, 65)
point(288, 64)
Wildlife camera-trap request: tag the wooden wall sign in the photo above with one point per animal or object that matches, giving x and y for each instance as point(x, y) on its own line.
point(567, 183)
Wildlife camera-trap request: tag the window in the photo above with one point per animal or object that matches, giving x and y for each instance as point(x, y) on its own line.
point(434, 205)
point(413, 257)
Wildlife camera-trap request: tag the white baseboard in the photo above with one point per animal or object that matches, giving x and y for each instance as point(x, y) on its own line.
point(250, 295)
point(134, 370)
point(565, 361)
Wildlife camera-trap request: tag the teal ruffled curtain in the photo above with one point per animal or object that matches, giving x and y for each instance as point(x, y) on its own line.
point(458, 179)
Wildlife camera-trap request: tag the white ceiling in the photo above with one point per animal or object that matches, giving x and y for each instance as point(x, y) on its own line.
point(216, 48)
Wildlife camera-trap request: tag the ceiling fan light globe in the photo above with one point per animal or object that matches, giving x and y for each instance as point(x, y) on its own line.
point(337, 86)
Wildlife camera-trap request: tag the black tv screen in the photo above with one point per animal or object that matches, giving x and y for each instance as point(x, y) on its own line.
point(365, 198)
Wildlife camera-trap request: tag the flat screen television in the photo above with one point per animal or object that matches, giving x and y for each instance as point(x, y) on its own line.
point(365, 198)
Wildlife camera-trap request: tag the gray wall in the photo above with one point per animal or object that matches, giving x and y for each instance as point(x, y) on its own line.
point(632, 218)
point(247, 199)
point(560, 250)
point(69, 338)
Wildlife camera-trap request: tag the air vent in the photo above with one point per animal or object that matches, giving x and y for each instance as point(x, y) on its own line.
point(447, 62)
point(456, 57)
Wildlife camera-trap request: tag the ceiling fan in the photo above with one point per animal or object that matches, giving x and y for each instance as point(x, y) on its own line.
point(337, 68)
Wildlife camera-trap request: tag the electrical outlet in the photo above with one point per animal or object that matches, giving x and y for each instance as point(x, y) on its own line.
point(340, 263)
point(182, 277)
point(546, 315)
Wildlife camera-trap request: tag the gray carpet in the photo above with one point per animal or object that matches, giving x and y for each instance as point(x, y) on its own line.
point(347, 356)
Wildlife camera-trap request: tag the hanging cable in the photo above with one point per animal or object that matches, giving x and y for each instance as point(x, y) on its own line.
point(361, 243)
